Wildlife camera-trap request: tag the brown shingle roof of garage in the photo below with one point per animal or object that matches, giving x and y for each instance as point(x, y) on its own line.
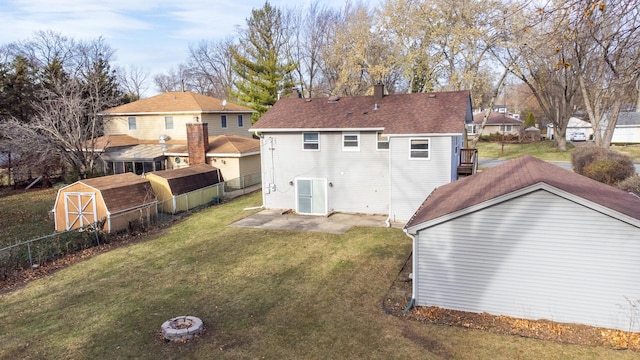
point(174, 102)
point(123, 191)
point(184, 180)
point(421, 113)
point(516, 175)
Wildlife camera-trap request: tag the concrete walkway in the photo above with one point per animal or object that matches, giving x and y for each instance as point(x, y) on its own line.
point(337, 223)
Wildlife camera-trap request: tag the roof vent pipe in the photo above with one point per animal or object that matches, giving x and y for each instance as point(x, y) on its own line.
point(376, 106)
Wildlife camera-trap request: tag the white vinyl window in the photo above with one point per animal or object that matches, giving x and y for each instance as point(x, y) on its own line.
point(419, 148)
point(132, 122)
point(383, 142)
point(471, 129)
point(505, 128)
point(168, 122)
point(350, 142)
point(311, 141)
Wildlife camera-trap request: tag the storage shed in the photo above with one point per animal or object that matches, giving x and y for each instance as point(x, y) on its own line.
point(185, 188)
point(530, 240)
point(119, 200)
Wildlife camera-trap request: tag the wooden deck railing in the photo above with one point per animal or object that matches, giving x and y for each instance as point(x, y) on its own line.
point(468, 162)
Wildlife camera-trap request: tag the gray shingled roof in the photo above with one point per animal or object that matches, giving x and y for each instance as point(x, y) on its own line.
point(516, 175)
point(422, 113)
point(628, 118)
point(496, 119)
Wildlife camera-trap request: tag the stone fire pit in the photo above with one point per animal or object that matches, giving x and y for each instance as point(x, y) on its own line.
point(182, 328)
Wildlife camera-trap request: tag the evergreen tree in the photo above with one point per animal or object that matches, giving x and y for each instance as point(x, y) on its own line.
point(261, 68)
point(529, 121)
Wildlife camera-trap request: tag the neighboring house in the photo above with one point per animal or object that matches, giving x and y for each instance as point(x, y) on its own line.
point(498, 122)
point(234, 155)
point(627, 128)
point(364, 154)
point(152, 134)
point(575, 125)
point(530, 240)
point(166, 115)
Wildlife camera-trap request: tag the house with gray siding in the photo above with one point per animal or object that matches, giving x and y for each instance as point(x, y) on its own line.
point(375, 154)
point(530, 240)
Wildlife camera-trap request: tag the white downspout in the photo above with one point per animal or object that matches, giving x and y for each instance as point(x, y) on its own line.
point(388, 221)
point(414, 278)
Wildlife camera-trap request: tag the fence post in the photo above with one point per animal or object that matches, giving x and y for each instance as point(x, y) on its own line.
point(95, 231)
point(30, 260)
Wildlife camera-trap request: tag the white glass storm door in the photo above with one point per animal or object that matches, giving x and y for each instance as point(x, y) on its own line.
point(311, 196)
point(79, 209)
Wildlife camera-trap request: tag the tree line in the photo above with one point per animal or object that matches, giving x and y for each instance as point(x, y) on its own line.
point(567, 56)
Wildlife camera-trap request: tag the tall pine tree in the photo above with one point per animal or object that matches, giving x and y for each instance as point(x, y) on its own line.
point(261, 65)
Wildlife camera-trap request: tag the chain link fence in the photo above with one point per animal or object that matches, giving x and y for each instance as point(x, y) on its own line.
point(35, 252)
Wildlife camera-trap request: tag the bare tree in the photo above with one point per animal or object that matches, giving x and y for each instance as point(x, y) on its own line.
point(172, 80)
point(210, 62)
point(605, 41)
point(133, 80)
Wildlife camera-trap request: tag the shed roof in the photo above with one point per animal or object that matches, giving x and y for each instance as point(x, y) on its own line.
point(176, 101)
point(519, 174)
point(420, 113)
point(122, 191)
point(184, 180)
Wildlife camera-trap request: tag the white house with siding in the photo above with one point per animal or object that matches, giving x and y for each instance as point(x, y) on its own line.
point(530, 240)
point(367, 154)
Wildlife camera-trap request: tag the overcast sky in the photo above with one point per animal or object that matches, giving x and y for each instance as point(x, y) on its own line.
point(152, 34)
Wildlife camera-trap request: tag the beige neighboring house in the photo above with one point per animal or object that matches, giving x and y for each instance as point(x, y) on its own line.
point(152, 134)
point(167, 114)
point(498, 122)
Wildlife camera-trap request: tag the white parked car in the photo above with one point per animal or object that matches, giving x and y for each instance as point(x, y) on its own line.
point(579, 136)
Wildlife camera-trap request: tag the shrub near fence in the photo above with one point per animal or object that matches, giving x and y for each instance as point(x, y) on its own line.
point(36, 252)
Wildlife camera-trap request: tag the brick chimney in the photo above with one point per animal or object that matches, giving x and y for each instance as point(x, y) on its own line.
point(378, 90)
point(197, 142)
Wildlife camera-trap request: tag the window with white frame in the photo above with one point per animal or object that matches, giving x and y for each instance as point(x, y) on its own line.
point(471, 129)
point(383, 142)
point(240, 121)
point(168, 122)
point(419, 148)
point(311, 141)
point(223, 121)
point(132, 122)
point(350, 142)
point(505, 128)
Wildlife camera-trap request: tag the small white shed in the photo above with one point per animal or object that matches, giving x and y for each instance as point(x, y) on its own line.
point(531, 240)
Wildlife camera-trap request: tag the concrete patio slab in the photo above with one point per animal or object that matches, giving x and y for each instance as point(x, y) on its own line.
point(337, 223)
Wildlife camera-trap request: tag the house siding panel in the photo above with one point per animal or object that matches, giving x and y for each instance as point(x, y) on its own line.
point(150, 127)
point(535, 256)
point(359, 179)
point(412, 180)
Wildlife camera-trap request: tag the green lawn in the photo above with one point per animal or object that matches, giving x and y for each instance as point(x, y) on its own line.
point(262, 294)
point(542, 150)
point(24, 214)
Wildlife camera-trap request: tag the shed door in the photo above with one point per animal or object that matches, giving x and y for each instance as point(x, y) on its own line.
point(311, 196)
point(79, 209)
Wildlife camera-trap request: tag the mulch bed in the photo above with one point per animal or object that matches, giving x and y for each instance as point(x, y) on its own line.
point(397, 300)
